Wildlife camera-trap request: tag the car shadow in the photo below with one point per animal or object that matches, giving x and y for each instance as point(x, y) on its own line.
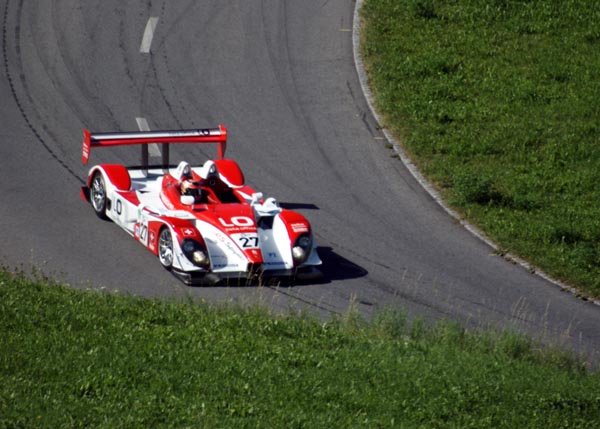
point(298, 206)
point(333, 268)
point(336, 267)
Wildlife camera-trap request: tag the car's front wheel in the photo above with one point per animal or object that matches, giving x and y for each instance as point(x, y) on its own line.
point(165, 248)
point(98, 195)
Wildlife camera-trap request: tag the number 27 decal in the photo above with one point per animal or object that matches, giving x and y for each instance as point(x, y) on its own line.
point(246, 241)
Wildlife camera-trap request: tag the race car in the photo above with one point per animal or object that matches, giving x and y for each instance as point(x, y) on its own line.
point(203, 222)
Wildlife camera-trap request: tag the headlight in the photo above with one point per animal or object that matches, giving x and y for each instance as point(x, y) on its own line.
point(196, 253)
point(302, 248)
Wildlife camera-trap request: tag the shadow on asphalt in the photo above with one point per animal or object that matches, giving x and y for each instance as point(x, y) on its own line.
point(336, 267)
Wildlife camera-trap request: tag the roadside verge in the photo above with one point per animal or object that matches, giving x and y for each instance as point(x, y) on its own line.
point(413, 169)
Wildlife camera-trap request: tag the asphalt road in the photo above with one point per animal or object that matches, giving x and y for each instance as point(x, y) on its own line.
point(281, 76)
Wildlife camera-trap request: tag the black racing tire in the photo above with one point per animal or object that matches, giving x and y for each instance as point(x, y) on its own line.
point(165, 248)
point(98, 197)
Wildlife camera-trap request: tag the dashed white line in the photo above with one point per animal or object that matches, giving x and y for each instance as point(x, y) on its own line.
point(153, 147)
point(148, 35)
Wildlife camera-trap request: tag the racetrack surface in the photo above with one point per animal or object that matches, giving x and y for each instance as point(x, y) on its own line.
point(280, 76)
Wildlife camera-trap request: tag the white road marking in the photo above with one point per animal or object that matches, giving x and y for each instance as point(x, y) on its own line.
point(152, 147)
point(148, 35)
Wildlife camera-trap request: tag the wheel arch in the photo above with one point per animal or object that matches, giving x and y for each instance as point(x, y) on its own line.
point(116, 174)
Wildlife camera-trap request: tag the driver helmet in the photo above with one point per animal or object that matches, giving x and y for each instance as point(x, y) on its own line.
point(189, 187)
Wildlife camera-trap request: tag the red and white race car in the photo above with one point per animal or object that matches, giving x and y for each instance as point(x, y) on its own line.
point(204, 223)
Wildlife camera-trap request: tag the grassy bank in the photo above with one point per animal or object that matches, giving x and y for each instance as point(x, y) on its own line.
point(70, 359)
point(497, 101)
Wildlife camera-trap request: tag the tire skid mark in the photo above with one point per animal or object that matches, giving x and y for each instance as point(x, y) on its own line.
point(23, 81)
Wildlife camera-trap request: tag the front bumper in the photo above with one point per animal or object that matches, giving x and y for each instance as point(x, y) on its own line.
point(255, 276)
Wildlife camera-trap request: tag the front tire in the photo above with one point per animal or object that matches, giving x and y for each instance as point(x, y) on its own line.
point(98, 195)
point(165, 248)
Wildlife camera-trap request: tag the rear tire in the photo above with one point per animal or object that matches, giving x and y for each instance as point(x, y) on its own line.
point(98, 195)
point(165, 248)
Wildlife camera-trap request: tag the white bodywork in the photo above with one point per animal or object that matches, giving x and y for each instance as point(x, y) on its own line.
point(141, 212)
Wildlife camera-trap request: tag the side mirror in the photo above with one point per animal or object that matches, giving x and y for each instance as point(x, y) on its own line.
point(187, 200)
point(256, 197)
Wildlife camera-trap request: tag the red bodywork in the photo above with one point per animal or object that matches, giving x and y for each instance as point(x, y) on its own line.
point(234, 218)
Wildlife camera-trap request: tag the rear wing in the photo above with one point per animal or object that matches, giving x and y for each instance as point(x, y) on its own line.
point(144, 138)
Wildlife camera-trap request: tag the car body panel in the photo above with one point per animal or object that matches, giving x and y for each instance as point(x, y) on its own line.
point(245, 236)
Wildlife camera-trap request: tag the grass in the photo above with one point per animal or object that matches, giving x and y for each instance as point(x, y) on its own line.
point(497, 102)
point(72, 359)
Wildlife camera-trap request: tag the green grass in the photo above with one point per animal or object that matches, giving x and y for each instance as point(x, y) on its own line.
point(72, 359)
point(498, 103)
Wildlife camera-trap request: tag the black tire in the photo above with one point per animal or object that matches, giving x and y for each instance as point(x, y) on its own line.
point(98, 195)
point(165, 248)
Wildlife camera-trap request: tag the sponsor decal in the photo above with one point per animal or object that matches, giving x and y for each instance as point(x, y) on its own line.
point(220, 266)
point(299, 227)
point(237, 222)
point(188, 232)
point(274, 264)
point(227, 243)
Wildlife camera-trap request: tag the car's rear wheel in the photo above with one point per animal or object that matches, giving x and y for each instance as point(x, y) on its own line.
point(98, 195)
point(165, 248)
